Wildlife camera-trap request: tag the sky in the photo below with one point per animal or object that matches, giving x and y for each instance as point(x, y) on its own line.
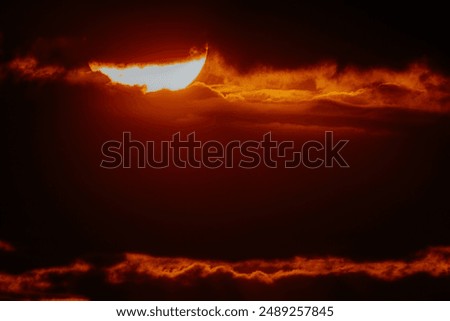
point(376, 76)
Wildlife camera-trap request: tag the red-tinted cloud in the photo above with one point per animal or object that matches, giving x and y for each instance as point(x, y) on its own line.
point(29, 68)
point(167, 273)
point(39, 282)
point(5, 246)
point(416, 87)
point(435, 262)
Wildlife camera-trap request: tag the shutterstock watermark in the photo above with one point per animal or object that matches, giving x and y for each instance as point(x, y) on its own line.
point(188, 152)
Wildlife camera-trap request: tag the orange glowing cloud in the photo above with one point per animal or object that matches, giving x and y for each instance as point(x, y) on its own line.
point(416, 87)
point(29, 67)
point(154, 77)
point(64, 282)
point(435, 262)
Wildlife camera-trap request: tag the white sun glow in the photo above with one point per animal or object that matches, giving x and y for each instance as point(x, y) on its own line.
point(174, 76)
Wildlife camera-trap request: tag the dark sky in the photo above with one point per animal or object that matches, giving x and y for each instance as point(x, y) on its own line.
point(286, 34)
point(59, 206)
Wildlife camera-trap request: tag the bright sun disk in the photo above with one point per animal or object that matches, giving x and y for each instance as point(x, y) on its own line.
point(174, 76)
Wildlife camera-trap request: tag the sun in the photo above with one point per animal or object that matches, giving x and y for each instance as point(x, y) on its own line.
point(154, 77)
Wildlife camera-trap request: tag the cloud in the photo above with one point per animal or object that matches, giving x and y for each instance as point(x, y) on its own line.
point(435, 262)
point(144, 276)
point(5, 246)
point(415, 87)
point(29, 68)
point(41, 282)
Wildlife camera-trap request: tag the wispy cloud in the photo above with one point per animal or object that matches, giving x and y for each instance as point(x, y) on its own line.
point(416, 87)
point(143, 270)
point(435, 262)
point(40, 283)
